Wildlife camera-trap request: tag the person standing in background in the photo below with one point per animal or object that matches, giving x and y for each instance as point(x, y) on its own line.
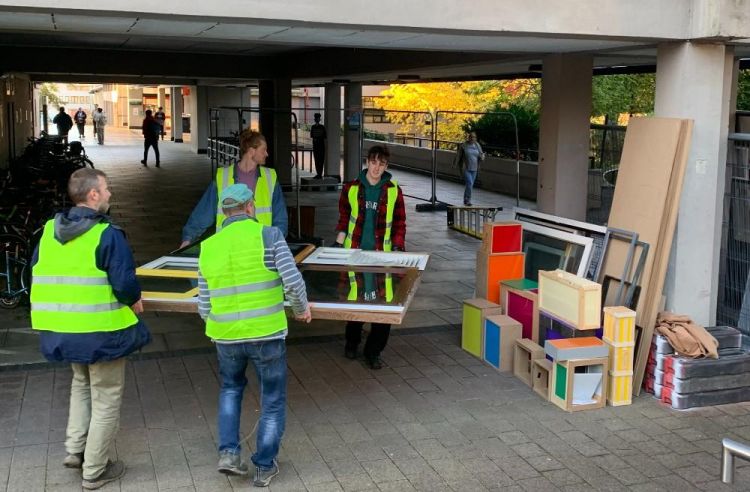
point(318, 136)
point(64, 123)
point(80, 119)
point(467, 160)
point(161, 118)
point(150, 129)
point(100, 122)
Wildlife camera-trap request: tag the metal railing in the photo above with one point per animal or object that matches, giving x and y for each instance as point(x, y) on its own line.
point(731, 450)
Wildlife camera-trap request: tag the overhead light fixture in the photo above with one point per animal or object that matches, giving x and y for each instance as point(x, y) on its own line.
point(408, 77)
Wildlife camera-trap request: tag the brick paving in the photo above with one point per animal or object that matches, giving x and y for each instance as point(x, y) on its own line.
point(434, 419)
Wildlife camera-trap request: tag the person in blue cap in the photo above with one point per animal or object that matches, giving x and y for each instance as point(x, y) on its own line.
point(245, 271)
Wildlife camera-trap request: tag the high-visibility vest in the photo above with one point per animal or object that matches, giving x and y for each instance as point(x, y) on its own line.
point(69, 294)
point(354, 214)
point(354, 291)
point(262, 194)
point(247, 299)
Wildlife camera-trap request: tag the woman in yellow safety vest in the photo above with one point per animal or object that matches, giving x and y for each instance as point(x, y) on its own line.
point(371, 217)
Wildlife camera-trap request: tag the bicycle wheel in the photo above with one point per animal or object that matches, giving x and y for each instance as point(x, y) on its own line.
point(15, 272)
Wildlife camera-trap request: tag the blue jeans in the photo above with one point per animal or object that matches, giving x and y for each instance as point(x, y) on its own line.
point(269, 360)
point(469, 177)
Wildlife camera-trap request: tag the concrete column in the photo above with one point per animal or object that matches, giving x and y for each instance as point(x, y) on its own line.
point(177, 104)
point(352, 125)
point(135, 108)
point(161, 97)
point(276, 125)
point(199, 119)
point(332, 121)
point(695, 81)
point(564, 135)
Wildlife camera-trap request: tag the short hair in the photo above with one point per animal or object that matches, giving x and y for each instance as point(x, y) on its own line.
point(250, 139)
point(62, 110)
point(378, 152)
point(82, 181)
point(149, 112)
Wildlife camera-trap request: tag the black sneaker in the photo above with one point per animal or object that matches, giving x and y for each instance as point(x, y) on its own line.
point(114, 471)
point(144, 163)
point(350, 353)
point(375, 363)
point(73, 460)
point(264, 477)
point(231, 464)
point(157, 165)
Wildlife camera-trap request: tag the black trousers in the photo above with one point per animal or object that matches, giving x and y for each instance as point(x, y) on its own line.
point(376, 340)
point(319, 153)
point(155, 145)
point(81, 128)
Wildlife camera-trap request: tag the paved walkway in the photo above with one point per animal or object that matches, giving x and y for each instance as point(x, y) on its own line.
point(434, 419)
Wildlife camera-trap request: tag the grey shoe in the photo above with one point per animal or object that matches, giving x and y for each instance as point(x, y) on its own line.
point(231, 464)
point(114, 471)
point(73, 460)
point(264, 477)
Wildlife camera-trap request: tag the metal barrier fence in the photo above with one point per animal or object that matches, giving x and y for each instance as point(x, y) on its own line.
point(733, 306)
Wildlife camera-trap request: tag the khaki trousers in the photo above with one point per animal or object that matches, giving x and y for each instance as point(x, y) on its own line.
point(94, 417)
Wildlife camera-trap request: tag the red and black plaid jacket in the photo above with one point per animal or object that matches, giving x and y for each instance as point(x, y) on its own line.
point(398, 227)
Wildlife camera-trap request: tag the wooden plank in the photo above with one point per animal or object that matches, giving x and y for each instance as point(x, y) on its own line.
point(640, 199)
point(661, 255)
point(649, 185)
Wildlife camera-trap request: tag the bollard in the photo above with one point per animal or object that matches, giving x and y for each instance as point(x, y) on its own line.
point(730, 450)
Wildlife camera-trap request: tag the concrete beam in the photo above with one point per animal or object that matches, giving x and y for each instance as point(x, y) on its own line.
point(665, 19)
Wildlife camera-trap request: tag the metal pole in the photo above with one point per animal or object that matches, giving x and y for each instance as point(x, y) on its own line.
point(518, 162)
point(433, 200)
point(731, 449)
point(296, 165)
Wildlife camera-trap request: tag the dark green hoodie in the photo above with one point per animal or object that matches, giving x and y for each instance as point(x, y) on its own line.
point(372, 199)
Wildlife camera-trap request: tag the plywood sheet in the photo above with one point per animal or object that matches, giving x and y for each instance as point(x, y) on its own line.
point(649, 185)
point(640, 199)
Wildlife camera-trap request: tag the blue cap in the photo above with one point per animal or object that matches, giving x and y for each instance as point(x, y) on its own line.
point(235, 195)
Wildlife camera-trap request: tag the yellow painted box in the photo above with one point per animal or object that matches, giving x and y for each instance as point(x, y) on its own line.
point(620, 355)
point(573, 299)
point(620, 388)
point(619, 324)
point(472, 327)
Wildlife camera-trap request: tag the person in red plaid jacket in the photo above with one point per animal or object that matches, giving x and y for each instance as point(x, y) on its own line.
point(371, 217)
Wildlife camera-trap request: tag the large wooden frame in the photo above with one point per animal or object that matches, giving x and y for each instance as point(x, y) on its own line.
point(181, 267)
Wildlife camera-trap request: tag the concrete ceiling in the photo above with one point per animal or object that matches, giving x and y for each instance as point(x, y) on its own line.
point(93, 45)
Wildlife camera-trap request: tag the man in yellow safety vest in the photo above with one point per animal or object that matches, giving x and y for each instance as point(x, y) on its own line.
point(245, 270)
point(371, 217)
point(84, 301)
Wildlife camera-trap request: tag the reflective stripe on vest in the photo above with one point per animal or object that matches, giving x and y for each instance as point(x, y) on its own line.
point(353, 289)
point(263, 193)
point(74, 296)
point(392, 194)
point(247, 299)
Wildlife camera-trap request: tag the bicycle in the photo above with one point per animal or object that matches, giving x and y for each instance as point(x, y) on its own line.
point(15, 271)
